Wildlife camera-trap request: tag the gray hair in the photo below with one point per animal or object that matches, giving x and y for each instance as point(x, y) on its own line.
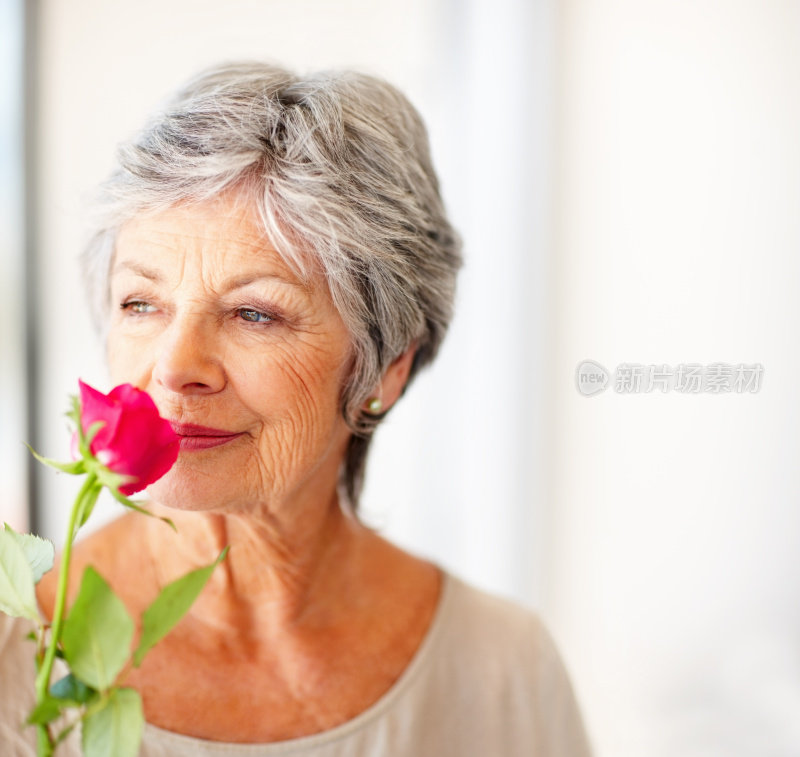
point(336, 164)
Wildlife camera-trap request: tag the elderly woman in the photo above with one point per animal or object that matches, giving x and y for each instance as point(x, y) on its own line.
point(274, 265)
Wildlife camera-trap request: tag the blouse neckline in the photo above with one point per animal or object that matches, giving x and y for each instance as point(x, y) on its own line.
point(360, 721)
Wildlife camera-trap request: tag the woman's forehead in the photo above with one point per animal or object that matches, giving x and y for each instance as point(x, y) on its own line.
point(223, 235)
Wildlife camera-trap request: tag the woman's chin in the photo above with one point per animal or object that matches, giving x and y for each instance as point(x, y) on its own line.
point(180, 492)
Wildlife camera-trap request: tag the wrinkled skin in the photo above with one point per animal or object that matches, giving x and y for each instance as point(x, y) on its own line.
point(209, 320)
point(312, 616)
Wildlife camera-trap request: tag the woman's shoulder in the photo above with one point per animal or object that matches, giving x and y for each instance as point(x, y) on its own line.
point(108, 550)
point(491, 622)
point(16, 694)
point(13, 637)
point(498, 667)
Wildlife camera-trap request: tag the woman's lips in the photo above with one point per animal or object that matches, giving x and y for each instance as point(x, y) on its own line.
point(194, 437)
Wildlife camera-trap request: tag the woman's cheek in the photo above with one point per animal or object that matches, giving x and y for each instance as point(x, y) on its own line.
point(127, 363)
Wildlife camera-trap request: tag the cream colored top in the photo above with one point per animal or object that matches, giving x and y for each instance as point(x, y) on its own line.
point(487, 681)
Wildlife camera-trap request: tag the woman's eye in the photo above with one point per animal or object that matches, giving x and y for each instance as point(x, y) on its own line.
point(254, 316)
point(137, 306)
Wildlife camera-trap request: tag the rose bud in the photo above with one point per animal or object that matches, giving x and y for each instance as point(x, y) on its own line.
point(134, 440)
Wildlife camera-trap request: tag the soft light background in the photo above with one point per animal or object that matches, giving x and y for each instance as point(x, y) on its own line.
point(626, 175)
point(12, 269)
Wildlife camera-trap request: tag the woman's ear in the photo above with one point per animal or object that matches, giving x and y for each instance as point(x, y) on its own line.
point(395, 378)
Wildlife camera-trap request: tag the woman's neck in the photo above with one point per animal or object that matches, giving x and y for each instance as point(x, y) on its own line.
point(277, 573)
point(309, 624)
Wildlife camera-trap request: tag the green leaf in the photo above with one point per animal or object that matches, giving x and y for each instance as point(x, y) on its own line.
point(38, 552)
point(45, 712)
point(17, 596)
point(123, 500)
point(73, 468)
point(63, 735)
point(97, 633)
point(116, 728)
point(110, 479)
point(88, 438)
point(74, 412)
point(88, 502)
point(72, 690)
point(84, 439)
point(170, 606)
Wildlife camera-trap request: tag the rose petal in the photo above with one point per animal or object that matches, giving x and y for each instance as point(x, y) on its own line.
point(135, 440)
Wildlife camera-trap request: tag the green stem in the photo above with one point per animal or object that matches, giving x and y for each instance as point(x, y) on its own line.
point(89, 491)
point(44, 746)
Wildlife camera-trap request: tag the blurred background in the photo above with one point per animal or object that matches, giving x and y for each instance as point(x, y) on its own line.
point(626, 176)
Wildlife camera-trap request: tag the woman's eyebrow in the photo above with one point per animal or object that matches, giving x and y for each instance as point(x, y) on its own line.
point(138, 269)
point(250, 278)
point(237, 282)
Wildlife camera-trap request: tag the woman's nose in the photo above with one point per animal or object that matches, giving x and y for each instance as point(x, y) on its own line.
point(188, 362)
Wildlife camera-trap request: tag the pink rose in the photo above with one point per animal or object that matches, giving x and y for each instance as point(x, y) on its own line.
point(135, 440)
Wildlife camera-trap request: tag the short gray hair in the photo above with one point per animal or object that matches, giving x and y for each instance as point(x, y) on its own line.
point(335, 163)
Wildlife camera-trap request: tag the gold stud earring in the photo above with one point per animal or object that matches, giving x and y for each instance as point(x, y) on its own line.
point(375, 405)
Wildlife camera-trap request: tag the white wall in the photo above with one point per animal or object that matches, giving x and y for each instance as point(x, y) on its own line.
point(14, 456)
point(677, 552)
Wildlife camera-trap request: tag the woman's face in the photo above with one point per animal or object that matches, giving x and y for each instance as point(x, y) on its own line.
point(245, 359)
